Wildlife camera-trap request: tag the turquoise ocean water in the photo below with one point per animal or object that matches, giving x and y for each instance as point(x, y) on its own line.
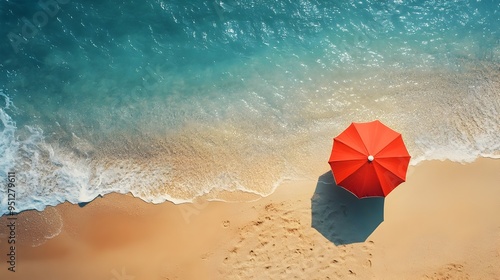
point(171, 100)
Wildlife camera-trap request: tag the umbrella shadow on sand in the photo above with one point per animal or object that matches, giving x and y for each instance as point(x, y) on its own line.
point(340, 216)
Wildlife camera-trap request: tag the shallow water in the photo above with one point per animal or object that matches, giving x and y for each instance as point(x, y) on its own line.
point(172, 100)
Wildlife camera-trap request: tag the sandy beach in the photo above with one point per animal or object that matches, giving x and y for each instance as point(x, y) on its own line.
point(174, 140)
point(443, 223)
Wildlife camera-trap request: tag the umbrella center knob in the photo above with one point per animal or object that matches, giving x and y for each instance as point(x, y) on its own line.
point(370, 158)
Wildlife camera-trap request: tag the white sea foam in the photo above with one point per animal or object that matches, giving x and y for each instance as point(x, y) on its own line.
point(8, 143)
point(178, 149)
point(253, 141)
point(235, 103)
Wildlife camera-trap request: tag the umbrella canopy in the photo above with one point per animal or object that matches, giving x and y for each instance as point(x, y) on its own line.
point(369, 159)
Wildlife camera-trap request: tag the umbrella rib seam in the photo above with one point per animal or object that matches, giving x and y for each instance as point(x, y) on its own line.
point(353, 172)
point(389, 143)
point(404, 180)
point(347, 145)
point(393, 157)
point(378, 176)
point(364, 144)
point(344, 160)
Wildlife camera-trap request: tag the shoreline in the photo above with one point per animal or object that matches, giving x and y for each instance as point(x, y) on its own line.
point(435, 225)
point(243, 196)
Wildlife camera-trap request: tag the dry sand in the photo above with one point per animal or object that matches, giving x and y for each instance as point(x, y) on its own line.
point(443, 223)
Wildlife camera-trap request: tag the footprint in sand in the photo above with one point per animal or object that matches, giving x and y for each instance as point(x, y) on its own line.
point(343, 254)
point(354, 260)
point(450, 271)
point(368, 245)
point(367, 249)
point(334, 263)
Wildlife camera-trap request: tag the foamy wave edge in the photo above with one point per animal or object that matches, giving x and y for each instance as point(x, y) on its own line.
point(87, 192)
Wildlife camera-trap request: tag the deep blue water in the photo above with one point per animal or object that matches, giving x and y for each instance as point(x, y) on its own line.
point(175, 99)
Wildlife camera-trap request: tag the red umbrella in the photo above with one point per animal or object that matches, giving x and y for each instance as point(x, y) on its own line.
point(369, 159)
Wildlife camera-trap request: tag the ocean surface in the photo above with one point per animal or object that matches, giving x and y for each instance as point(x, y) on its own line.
point(172, 100)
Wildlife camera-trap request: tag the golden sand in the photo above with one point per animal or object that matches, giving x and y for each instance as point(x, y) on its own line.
point(443, 223)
